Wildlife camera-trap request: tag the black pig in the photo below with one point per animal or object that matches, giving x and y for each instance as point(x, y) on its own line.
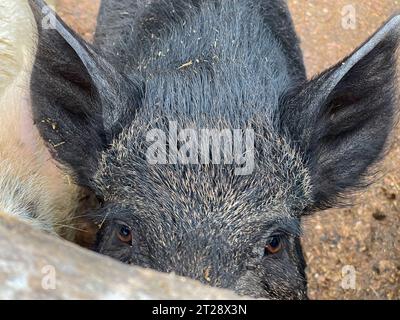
point(228, 219)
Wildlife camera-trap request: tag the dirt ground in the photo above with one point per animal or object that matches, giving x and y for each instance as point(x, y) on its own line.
point(366, 237)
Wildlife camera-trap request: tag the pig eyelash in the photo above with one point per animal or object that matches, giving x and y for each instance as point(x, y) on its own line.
point(283, 232)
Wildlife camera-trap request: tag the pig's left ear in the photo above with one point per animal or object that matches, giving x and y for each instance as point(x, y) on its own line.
point(341, 120)
point(79, 100)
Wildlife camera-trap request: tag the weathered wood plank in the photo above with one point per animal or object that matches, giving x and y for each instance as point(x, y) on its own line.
point(31, 263)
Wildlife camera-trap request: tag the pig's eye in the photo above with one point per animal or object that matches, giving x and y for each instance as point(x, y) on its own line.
point(125, 234)
point(273, 245)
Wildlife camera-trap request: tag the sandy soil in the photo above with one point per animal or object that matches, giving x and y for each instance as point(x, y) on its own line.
point(366, 236)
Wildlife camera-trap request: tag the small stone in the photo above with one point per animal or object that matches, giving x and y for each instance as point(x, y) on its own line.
point(379, 215)
point(388, 194)
point(385, 265)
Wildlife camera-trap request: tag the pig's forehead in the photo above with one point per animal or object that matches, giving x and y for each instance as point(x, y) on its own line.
point(172, 193)
point(278, 186)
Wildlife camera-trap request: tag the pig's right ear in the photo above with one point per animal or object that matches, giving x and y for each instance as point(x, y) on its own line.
point(79, 100)
point(342, 119)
